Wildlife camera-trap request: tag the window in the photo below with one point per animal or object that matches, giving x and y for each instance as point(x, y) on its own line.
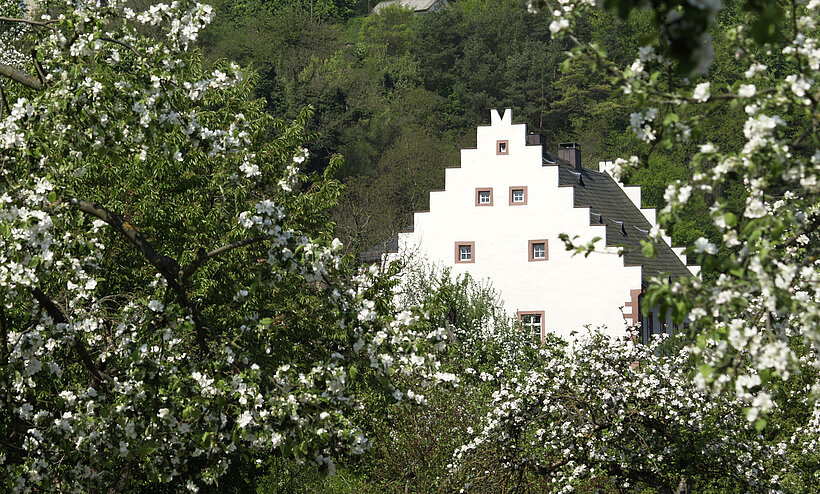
point(465, 252)
point(518, 195)
point(538, 250)
point(484, 196)
point(533, 323)
point(502, 147)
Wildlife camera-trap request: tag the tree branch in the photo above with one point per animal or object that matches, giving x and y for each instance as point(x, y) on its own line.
point(168, 267)
point(38, 68)
point(202, 256)
point(808, 231)
point(20, 76)
point(3, 103)
point(4, 335)
point(57, 315)
point(121, 43)
point(28, 21)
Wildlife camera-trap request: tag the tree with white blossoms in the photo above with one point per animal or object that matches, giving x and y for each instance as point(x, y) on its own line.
point(754, 313)
point(732, 404)
point(615, 414)
point(171, 299)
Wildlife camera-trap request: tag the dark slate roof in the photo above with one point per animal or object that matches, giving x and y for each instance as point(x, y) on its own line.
point(374, 254)
point(625, 224)
point(552, 159)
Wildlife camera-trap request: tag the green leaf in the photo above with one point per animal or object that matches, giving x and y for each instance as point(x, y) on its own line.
point(760, 424)
point(670, 118)
point(680, 312)
point(565, 65)
point(765, 27)
point(649, 250)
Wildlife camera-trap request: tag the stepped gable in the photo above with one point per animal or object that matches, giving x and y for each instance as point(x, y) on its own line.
point(625, 224)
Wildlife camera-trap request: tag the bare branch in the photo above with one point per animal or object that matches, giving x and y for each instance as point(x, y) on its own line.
point(3, 103)
point(202, 257)
point(28, 21)
point(121, 43)
point(4, 335)
point(59, 317)
point(38, 68)
point(167, 266)
point(20, 76)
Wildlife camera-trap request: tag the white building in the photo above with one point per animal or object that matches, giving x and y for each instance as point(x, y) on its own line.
point(500, 216)
point(418, 6)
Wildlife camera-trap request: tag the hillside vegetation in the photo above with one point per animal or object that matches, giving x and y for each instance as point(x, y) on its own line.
point(398, 94)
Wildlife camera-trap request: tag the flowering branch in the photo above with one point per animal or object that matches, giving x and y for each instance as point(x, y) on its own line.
point(121, 43)
point(167, 266)
point(59, 317)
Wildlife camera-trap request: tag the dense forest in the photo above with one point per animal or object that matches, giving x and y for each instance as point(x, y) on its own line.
point(398, 94)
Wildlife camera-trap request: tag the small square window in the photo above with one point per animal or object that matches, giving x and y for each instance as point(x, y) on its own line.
point(538, 250)
point(465, 252)
point(518, 195)
point(484, 197)
point(533, 323)
point(502, 147)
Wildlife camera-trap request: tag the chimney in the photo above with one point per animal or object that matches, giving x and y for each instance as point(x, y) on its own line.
point(535, 139)
point(570, 151)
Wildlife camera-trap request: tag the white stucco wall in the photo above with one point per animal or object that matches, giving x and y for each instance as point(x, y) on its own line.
point(572, 291)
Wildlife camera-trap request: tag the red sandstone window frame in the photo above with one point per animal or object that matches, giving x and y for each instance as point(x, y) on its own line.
point(459, 245)
point(478, 192)
point(540, 313)
point(512, 191)
point(531, 248)
point(502, 147)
